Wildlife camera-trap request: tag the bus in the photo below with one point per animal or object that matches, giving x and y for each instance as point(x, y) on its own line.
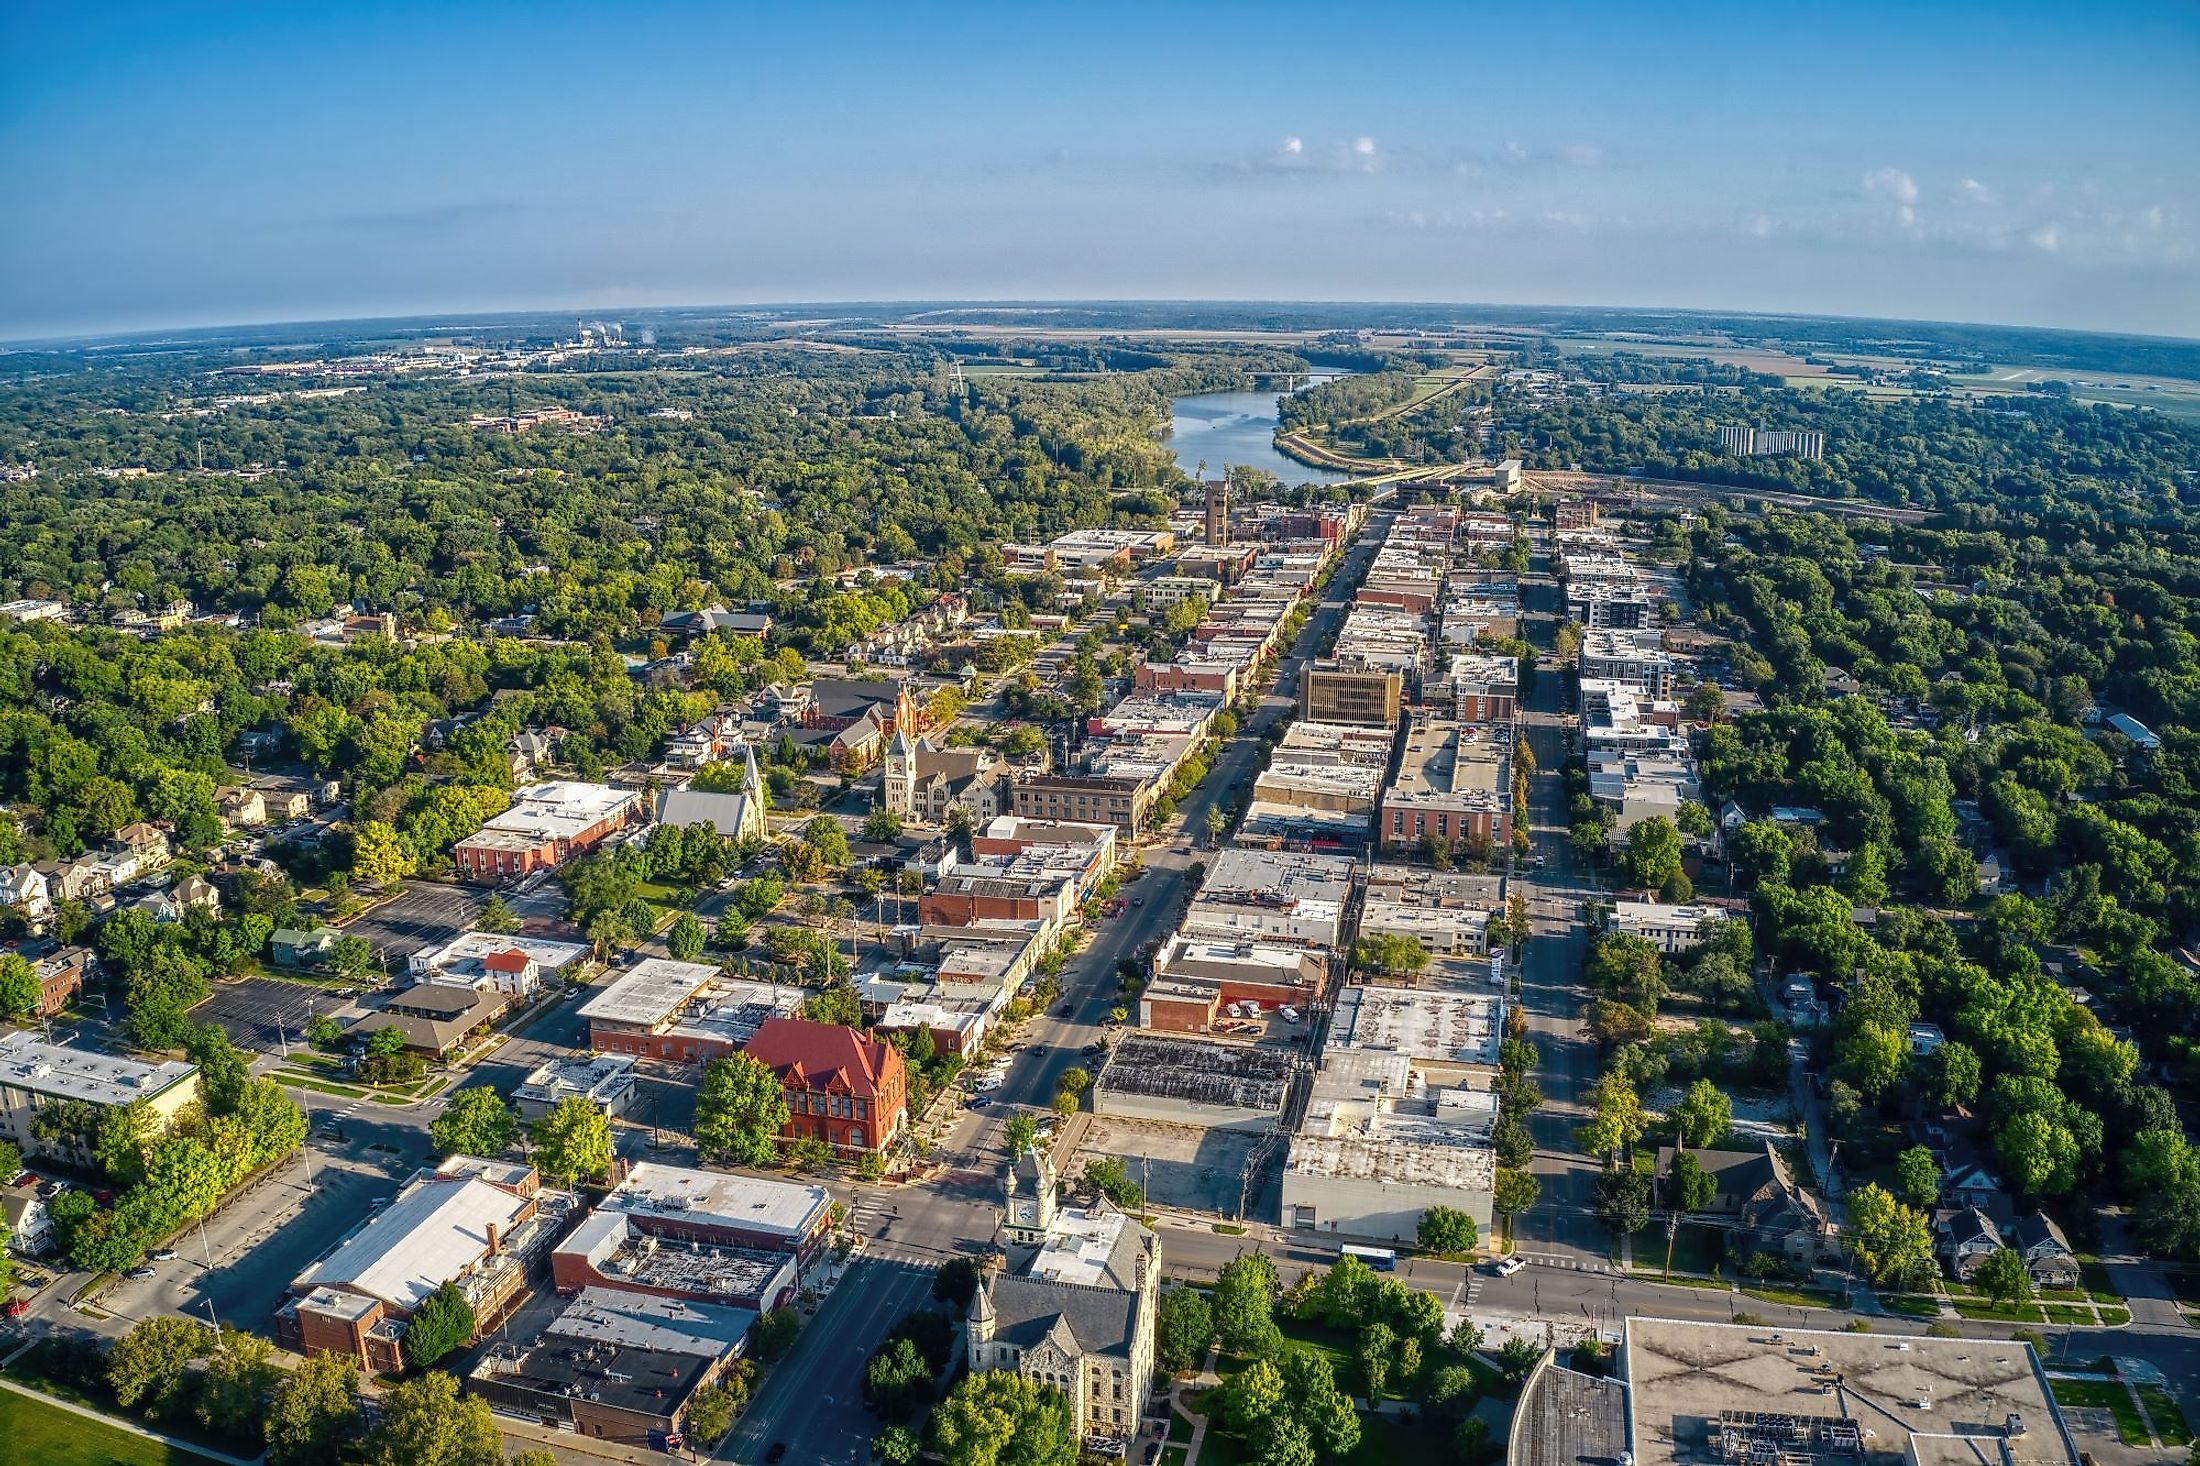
point(1382, 1259)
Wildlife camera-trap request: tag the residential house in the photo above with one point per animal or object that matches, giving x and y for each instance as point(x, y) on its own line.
point(146, 842)
point(61, 977)
point(1963, 1238)
point(25, 887)
point(175, 902)
point(292, 947)
point(2048, 1260)
point(1760, 1205)
point(25, 1226)
point(241, 807)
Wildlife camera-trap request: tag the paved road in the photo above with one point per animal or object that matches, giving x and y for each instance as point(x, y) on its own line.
point(813, 1401)
point(1550, 992)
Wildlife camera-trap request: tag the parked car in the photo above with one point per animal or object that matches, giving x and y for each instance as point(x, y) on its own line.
point(980, 1101)
point(1505, 1267)
point(141, 1272)
point(162, 1254)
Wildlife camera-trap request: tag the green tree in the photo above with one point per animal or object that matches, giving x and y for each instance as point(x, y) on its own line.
point(444, 1321)
point(18, 987)
point(1688, 1186)
point(1018, 1134)
point(1703, 1116)
point(1618, 1120)
point(1623, 1200)
point(496, 917)
point(1515, 1191)
point(477, 1121)
point(378, 855)
point(571, 1143)
point(955, 1283)
point(1893, 1243)
point(996, 1418)
point(685, 938)
point(897, 1445)
point(825, 836)
point(1653, 855)
point(426, 1422)
point(1183, 1328)
point(146, 1367)
point(1949, 1076)
point(314, 1415)
point(882, 825)
point(836, 1004)
point(1919, 1176)
point(896, 1380)
point(774, 1334)
point(1244, 1305)
point(240, 1378)
point(2001, 1277)
point(740, 1110)
point(1376, 1343)
point(1446, 1230)
point(1252, 1397)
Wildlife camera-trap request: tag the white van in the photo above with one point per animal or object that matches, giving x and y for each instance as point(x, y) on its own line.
point(1290, 1015)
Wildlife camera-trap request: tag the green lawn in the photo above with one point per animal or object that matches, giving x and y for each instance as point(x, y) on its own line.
point(1980, 1310)
point(1695, 1249)
point(1172, 1456)
point(1180, 1429)
point(2107, 1394)
point(1794, 1296)
point(1912, 1305)
point(2097, 1282)
point(2169, 1420)
point(36, 1430)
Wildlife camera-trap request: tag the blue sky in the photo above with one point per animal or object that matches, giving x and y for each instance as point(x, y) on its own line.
point(199, 164)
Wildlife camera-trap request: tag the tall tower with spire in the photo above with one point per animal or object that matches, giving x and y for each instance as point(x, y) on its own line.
point(898, 778)
point(1029, 1196)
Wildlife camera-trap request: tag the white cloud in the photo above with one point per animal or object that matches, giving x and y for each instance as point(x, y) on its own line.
point(1294, 146)
point(1906, 217)
point(1896, 183)
point(2047, 238)
point(1758, 227)
point(1974, 191)
point(1363, 147)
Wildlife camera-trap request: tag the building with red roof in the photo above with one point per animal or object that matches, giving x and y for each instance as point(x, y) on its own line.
point(843, 1087)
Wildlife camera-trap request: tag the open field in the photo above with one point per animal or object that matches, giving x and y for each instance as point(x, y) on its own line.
point(38, 1430)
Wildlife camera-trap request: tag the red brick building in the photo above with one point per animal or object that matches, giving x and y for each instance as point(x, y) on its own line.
point(843, 1087)
point(547, 825)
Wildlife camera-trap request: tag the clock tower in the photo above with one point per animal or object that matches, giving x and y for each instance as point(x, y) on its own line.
point(1029, 1196)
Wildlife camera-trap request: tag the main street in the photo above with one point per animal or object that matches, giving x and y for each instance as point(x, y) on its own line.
point(1560, 1223)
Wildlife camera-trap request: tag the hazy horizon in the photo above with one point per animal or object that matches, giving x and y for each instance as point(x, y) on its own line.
point(179, 167)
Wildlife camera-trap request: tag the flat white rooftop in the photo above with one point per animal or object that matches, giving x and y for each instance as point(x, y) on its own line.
point(436, 1229)
point(650, 993)
point(1079, 1246)
point(59, 1072)
point(749, 1202)
point(1437, 1025)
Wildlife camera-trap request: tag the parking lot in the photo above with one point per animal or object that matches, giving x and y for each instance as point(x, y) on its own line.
point(424, 915)
point(260, 1014)
point(263, 1237)
point(1178, 1165)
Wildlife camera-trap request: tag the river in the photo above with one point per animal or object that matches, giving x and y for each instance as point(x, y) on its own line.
point(1232, 428)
